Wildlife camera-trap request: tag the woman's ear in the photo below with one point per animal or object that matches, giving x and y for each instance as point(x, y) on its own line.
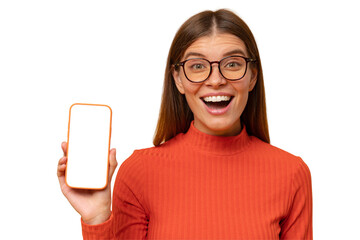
point(178, 82)
point(253, 79)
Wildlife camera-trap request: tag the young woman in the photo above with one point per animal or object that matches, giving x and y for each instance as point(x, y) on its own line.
point(212, 173)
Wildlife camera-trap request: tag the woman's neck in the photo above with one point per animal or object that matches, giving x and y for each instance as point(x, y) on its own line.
point(219, 145)
point(218, 128)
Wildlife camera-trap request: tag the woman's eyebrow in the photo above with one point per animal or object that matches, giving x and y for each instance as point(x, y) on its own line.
point(236, 51)
point(195, 54)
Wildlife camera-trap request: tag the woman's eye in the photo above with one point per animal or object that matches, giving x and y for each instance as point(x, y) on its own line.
point(233, 65)
point(198, 66)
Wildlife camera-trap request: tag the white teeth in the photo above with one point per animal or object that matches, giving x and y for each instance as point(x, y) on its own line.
point(216, 98)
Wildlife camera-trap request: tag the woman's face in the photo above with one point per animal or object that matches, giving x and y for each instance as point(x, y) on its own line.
point(215, 118)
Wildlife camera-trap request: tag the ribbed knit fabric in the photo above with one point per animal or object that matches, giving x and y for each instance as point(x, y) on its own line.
point(198, 186)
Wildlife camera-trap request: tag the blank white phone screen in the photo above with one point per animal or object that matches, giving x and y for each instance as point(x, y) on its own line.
point(88, 146)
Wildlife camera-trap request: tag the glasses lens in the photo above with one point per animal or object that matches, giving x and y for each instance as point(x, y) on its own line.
point(197, 70)
point(233, 68)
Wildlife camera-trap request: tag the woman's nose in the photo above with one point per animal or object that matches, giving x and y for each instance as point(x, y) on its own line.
point(215, 79)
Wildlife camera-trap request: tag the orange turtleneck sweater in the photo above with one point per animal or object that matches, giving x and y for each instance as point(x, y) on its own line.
point(198, 186)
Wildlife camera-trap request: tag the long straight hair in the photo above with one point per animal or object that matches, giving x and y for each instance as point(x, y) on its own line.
point(175, 114)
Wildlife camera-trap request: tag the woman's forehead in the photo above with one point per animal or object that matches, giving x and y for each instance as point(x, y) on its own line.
point(216, 45)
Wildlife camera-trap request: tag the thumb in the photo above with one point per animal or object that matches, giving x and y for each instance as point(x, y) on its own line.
point(112, 163)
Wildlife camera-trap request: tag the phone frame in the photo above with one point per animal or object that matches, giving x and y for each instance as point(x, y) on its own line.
point(67, 149)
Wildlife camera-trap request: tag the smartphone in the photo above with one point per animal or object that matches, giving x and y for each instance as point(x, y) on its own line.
point(88, 146)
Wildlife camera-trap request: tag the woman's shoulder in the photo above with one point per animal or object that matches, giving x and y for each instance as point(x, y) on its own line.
point(274, 153)
point(165, 148)
point(151, 153)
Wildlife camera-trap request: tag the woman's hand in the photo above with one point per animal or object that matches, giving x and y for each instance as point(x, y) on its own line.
point(94, 206)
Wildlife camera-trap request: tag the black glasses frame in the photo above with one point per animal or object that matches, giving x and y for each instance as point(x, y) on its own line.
point(211, 63)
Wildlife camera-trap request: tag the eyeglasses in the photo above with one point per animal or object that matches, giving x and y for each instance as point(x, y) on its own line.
point(198, 70)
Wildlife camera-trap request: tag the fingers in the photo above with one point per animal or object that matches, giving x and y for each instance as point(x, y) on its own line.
point(64, 147)
point(61, 166)
point(61, 175)
point(62, 162)
point(113, 163)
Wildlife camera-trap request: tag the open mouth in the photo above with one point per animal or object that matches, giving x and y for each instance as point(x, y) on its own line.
point(217, 102)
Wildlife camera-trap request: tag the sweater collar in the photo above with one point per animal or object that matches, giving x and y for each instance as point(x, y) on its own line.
point(220, 145)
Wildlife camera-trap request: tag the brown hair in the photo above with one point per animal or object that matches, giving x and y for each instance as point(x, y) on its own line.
point(175, 115)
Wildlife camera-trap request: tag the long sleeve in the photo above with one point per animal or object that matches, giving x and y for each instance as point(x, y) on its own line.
point(298, 222)
point(129, 219)
point(101, 231)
